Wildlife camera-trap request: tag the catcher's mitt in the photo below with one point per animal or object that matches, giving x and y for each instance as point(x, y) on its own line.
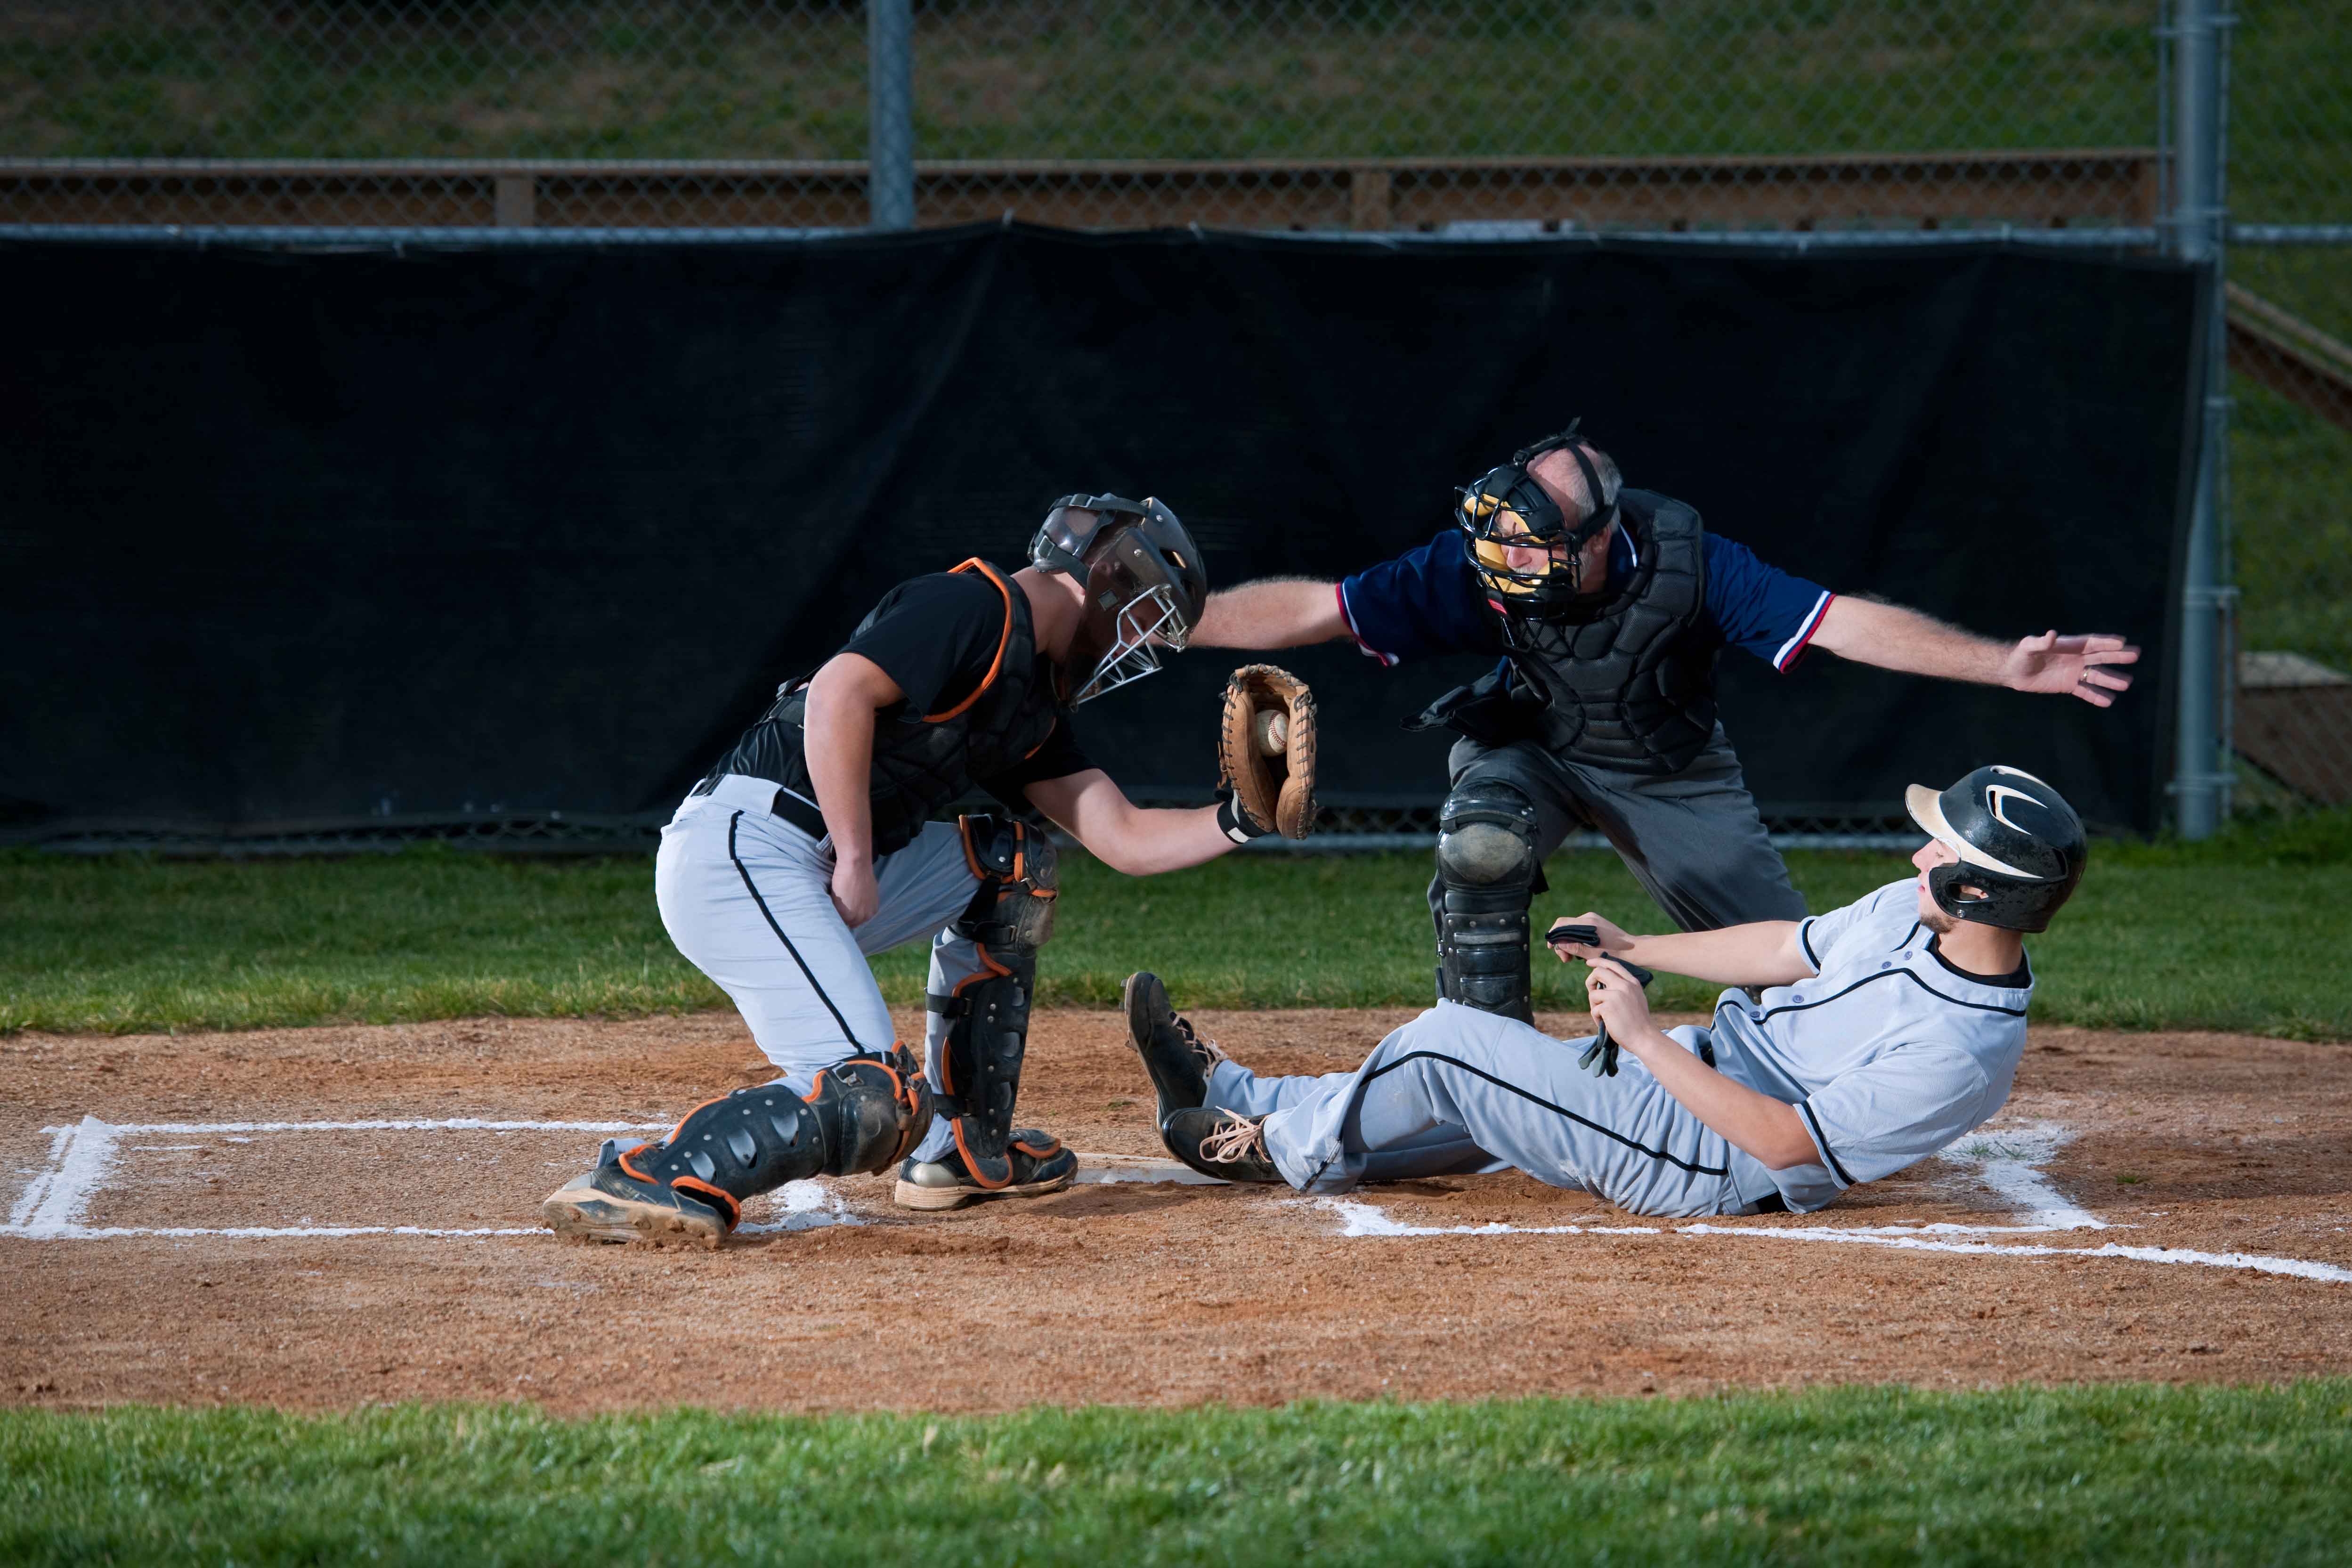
point(1265, 751)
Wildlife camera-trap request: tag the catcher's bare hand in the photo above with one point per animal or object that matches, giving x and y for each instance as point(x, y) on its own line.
point(1612, 938)
point(2083, 665)
point(855, 892)
point(1265, 752)
point(1618, 1000)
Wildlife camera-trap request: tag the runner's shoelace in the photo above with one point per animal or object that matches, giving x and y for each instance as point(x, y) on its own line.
point(1206, 1049)
point(1234, 1141)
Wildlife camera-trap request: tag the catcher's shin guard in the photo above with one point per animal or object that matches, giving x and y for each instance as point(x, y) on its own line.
point(864, 1115)
point(1486, 871)
point(1009, 918)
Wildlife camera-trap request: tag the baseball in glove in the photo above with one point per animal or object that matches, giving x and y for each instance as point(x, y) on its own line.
point(1265, 755)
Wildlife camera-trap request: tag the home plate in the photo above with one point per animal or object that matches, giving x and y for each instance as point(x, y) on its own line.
point(1138, 1168)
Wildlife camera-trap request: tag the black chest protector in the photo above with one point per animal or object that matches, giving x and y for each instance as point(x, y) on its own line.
point(1631, 686)
point(924, 762)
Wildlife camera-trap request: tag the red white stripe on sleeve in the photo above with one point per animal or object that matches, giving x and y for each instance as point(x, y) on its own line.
point(1794, 648)
point(1340, 590)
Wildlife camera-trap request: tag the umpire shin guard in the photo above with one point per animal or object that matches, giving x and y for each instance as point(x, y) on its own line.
point(1486, 871)
point(1009, 918)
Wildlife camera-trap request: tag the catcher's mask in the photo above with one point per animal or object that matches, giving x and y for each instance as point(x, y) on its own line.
point(1508, 508)
point(2020, 846)
point(1143, 581)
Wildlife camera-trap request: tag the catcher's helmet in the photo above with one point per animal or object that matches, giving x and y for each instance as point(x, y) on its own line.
point(1508, 508)
point(1144, 585)
point(2021, 847)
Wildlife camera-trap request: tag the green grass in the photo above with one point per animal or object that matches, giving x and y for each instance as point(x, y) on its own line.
point(1035, 78)
point(2245, 932)
point(2114, 1475)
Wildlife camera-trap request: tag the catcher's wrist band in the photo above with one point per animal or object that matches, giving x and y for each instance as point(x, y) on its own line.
point(1234, 824)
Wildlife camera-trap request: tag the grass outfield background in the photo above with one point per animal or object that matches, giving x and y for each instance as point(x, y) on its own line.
point(2113, 1474)
point(2246, 931)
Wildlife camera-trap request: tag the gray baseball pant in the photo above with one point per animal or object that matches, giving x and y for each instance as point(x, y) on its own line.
point(1458, 1090)
point(1693, 840)
point(746, 896)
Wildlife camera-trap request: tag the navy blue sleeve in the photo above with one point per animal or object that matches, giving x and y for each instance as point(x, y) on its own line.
point(1758, 608)
point(1421, 604)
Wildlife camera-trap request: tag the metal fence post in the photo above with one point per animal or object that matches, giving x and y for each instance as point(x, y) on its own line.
point(890, 113)
point(2201, 768)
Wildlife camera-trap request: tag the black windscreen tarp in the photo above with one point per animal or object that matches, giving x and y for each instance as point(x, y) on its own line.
point(320, 535)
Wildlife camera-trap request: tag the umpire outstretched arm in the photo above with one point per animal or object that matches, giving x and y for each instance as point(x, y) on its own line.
point(1290, 612)
point(1870, 631)
point(1273, 611)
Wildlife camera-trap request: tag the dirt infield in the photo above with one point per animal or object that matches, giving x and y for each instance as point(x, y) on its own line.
point(2169, 1207)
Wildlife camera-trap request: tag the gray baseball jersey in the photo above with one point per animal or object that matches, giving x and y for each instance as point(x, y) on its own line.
point(1888, 1052)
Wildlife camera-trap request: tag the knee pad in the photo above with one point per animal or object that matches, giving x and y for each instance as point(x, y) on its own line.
point(1019, 871)
point(1486, 874)
point(873, 1110)
point(864, 1115)
point(1010, 917)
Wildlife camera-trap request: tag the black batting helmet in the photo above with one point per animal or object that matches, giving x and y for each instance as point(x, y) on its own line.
point(2020, 846)
point(1145, 586)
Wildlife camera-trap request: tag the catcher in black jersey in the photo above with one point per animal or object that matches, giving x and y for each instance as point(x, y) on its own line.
point(811, 845)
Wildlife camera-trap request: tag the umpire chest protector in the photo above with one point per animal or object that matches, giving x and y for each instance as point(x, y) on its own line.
point(1630, 685)
point(925, 762)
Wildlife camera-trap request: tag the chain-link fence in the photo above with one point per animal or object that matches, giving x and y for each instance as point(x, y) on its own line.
point(2290, 355)
point(1310, 114)
point(1446, 116)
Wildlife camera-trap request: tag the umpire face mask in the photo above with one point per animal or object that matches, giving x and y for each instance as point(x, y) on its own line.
point(1507, 509)
point(1144, 586)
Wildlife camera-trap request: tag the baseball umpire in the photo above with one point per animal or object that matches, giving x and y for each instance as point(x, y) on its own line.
point(1608, 606)
point(811, 844)
point(1883, 1032)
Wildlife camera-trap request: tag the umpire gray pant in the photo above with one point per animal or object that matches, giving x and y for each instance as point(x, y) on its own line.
point(1693, 840)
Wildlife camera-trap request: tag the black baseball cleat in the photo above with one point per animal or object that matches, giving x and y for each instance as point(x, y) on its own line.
point(1221, 1143)
point(1039, 1164)
point(1178, 1061)
point(614, 1203)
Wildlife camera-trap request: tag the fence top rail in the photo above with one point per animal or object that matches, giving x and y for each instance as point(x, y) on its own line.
point(451, 168)
point(2290, 234)
point(357, 238)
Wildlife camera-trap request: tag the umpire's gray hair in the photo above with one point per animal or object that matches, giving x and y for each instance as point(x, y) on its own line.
point(1561, 469)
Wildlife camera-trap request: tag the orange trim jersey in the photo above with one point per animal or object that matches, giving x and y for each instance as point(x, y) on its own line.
point(980, 709)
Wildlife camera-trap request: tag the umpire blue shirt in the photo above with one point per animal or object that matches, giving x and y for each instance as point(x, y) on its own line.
point(1427, 602)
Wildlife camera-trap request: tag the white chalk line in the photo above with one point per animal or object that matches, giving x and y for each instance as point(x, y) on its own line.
point(2298, 1267)
point(2008, 1159)
point(79, 1158)
point(1369, 1219)
point(444, 1124)
point(83, 1155)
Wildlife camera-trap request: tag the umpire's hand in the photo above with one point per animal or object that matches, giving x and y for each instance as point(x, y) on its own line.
point(1612, 937)
point(2081, 666)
